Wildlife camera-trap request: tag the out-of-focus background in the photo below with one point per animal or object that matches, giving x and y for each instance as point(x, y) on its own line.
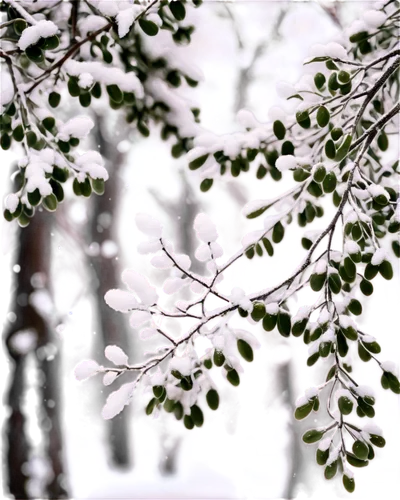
point(249, 448)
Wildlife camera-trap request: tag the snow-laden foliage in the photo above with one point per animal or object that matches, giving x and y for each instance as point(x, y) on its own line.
point(97, 52)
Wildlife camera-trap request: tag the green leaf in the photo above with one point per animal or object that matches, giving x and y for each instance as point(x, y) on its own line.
point(354, 461)
point(73, 87)
point(322, 456)
point(343, 76)
point(268, 246)
point(269, 322)
point(284, 323)
point(344, 148)
point(317, 281)
point(178, 10)
point(360, 450)
point(367, 409)
point(278, 232)
point(366, 287)
point(304, 410)
point(158, 391)
point(377, 440)
point(151, 405)
point(188, 422)
point(334, 283)
point(312, 436)
point(330, 470)
point(345, 405)
point(303, 119)
point(363, 353)
point(98, 186)
point(233, 377)
point(258, 311)
point(313, 359)
point(355, 307)
point(54, 99)
point(34, 197)
point(319, 173)
point(386, 270)
point(394, 383)
point(319, 80)
point(373, 347)
point(198, 162)
point(336, 133)
point(196, 415)
point(323, 116)
point(50, 202)
point(348, 483)
point(279, 129)
point(115, 93)
point(149, 28)
point(34, 54)
point(330, 149)
point(206, 185)
point(370, 271)
point(245, 350)
point(299, 327)
point(212, 398)
point(219, 358)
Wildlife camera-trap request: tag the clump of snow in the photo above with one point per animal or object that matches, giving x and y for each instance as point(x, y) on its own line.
point(389, 366)
point(203, 253)
point(173, 285)
point(77, 127)
point(109, 378)
point(320, 267)
point(182, 365)
point(86, 369)
point(374, 18)
point(116, 355)
point(11, 202)
point(286, 162)
point(137, 318)
point(147, 333)
point(372, 428)
point(302, 313)
point(128, 82)
point(150, 246)
point(365, 390)
point(120, 300)
point(205, 228)
point(311, 392)
point(31, 35)
point(85, 80)
point(161, 262)
point(141, 286)
point(6, 87)
point(117, 400)
point(324, 444)
point(247, 119)
point(351, 247)
point(285, 89)
point(125, 19)
point(335, 50)
point(379, 256)
point(148, 225)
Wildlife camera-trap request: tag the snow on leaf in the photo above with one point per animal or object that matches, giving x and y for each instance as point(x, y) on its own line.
point(205, 228)
point(141, 286)
point(147, 333)
point(173, 285)
point(116, 355)
point(109, 378)
point(161, 262)
point(120, 300)
point(31, 35)
point(148, 225)
point(86, 369)
point(137, 318)
point(117, 400)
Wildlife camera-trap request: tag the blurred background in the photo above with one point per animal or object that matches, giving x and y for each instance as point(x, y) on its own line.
point(55, 273)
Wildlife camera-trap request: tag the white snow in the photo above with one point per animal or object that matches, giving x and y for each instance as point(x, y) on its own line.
point(173, 285)
point(324, 444)
point(109, 378)
point(31, 35)
point(335, 50)
point(365, 390)
point(6, 87)
point(128, 82)
point(372, 428)
point(205, 228)
point(85, 80)
point(137, 318)
point(285, 89)
point(389, 366)
point(379, 256)
point(286, 162)
point(86, 369)
point(116, 355)
point(150, 246)
point(161, 261)
point(247, 119)
point(117, 400)
point(311, 392)
point(147, 333)
point(351, 247)
point(11, 202)
point(181, 364)
point(141, 286)
point(203, 252)
point(148, 225)
point(374, 18)
point(272, 308)
point(302, 313)
point(125, 19)
point(77, 127)
point(120, 300)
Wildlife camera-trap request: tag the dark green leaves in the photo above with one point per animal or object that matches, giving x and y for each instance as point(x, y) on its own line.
point(279, 129)
point(312, 436)
point(345, 405)
point(303, 119)
point(284, 323)
point(198, 162)
point(258, 311)
point(178, 10)
point(206, 185)
point(304, 410)
point(323, 116)
point(354, 461)
point(245, 350)
point(212, 398)
point(196, 415)
point(319, 80)
point(233, 377)
point(150, 28)
point(330, 470)
point(348, 483)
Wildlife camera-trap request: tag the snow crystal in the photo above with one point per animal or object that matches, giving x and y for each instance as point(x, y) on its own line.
point(182, 365)
point(379, 256)
point(125, 19)
point(77, 127)
point(31, 35)
point(205, 228)
point(120, 300)
point(116, 355)
point(335, 50)
point(117, 400)
point(389, 366)
point(128, 82)
point(108, 8)
point(147, 333)
point(141, 286)
point(86, 369)
point(85, 80)
point(11, 202)
point(109, 378)
point(137, 318)
point(286, 162)
point(148, 225)
point(374, 18)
